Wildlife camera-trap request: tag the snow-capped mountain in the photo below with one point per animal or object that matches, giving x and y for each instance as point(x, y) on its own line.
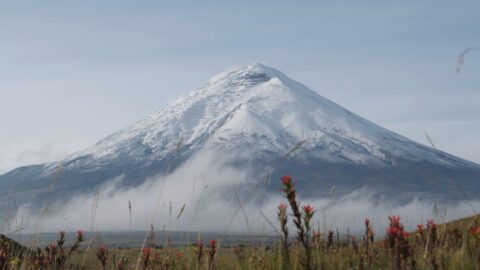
point(252, 118)
point(257, 105)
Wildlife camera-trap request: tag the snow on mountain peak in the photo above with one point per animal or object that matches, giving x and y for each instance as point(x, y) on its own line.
point(254, 73)
point(258, 108)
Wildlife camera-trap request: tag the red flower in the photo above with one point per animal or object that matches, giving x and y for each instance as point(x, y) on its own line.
point(3, 254)
point(394, 221)
point(287, 180)
point(80, 236)
point(282, 207)
point(393, 231)
point(475, 231)
point(213, 243)
point(308, 209)
point(212, 252)
point(102, 254)
point(146, 252)
point(288, 187)
point(102, 250)
point(367, 222)
point(307, 213)
point(146, 257)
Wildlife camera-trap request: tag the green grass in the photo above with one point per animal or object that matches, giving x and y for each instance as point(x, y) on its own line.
point(455, 246)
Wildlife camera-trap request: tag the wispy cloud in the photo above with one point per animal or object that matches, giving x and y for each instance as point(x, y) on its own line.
point(13, 156)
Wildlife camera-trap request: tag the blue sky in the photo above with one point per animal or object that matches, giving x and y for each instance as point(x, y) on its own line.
point(72, 72)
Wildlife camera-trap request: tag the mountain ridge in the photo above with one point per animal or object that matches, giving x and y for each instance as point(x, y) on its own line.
point(254, 115)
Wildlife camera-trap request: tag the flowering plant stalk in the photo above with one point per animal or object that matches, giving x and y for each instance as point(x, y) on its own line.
point(282, 217)
point(300, 219)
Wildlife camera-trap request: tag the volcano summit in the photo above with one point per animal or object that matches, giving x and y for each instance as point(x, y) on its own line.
point(258, 120)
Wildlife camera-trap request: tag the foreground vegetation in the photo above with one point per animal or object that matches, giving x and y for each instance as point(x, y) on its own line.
point(454, 245)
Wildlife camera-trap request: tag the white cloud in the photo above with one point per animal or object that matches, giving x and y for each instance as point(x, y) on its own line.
point(204, 186)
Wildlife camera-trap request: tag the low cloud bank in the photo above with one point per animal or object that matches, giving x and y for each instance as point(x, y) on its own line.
point(207, 195)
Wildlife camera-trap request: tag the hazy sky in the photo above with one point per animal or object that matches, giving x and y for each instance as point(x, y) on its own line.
point(74, 72)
